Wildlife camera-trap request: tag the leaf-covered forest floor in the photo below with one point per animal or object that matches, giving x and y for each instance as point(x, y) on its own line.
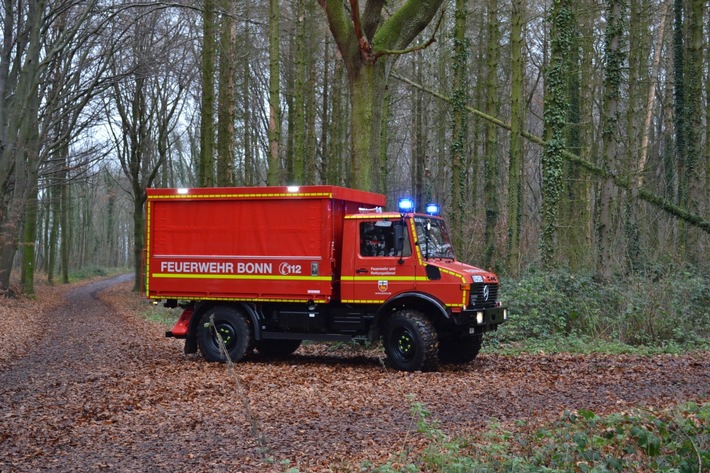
point(88, 385)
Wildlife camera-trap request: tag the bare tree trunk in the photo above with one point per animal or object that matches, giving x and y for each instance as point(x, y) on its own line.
point(274, 172)
point(226, 97)
point(206, 164)
point(645, 137)
point(31, 200)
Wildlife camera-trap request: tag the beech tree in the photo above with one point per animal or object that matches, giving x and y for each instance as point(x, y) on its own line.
point(368, 43)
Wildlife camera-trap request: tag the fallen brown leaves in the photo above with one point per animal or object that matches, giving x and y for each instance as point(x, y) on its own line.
point(99, 389)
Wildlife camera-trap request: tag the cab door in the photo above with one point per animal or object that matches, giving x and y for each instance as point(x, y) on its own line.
point(374, 270)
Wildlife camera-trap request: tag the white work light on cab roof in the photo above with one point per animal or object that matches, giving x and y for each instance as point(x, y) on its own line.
point(183, 191)
point(293, 188)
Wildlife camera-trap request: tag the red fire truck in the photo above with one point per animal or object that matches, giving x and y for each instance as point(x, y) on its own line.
point(269, 267)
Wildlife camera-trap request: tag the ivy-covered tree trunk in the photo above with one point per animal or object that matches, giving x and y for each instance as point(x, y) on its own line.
point(639, 45)
point(517, 124)
point(694, 80)
point(459, 122)
point(555, 115)
point(679, 118)
point(491, 163)
point(613, 61)
point(366, 41)
point(574, 214)
point(706, 155)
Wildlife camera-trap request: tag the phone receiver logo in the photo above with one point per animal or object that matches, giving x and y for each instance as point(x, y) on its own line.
point(286, 269)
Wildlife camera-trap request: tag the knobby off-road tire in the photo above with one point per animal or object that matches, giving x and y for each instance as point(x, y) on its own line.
point(277, 348)
point(411, 342)
point(460, 350)
point(235, 330)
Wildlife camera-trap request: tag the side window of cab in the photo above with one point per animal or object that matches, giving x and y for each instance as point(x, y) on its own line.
point(378, 239)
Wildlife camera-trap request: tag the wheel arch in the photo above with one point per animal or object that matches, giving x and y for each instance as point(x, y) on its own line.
point(203, 306)
point(427, 304)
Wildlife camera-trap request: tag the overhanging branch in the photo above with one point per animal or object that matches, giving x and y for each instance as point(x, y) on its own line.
point(643, 194)
point(431, 41)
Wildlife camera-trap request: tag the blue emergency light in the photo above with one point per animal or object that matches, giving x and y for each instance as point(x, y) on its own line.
point(432, 209)
point(405, 205)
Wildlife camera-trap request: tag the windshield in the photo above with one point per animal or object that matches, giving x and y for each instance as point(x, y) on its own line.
point(438, 245)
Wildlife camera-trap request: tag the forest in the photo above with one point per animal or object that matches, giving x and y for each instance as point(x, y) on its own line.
point(566, 142)
point(555, 135)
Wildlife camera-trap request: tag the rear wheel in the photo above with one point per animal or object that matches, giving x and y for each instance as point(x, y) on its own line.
point(277, 348)
point(460, 350)
point(410, 341)
point(232, 326)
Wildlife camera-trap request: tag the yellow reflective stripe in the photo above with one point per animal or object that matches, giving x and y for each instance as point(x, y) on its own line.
point(238, 299)
point(452, 273)
point(147, 250)
point(362, 301)
point(371, 216)
point(239, 276)
point(384, 278)
point(240, 196)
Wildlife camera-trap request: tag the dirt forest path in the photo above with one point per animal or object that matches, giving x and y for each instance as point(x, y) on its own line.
point(100, 390)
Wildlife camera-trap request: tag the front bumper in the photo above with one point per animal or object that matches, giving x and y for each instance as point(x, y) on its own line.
point(482, 319)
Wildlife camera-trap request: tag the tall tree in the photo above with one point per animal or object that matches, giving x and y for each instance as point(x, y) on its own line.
point(226, 111)
point(459, 128)
point(517, 122)
point(206, 163)
point(693, 112)
point(147, 104)
point(367, 41)
point(273, 175)
point(300, 154)
point(613, 62)
point(556, 107)
point(491, 163)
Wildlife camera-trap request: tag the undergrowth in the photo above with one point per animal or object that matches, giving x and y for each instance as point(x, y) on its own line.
point(89, 272)
point(675, 440)
point(561, 311)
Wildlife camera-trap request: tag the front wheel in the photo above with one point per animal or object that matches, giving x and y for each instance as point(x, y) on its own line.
point(234, 329)
point(411, 342)
point(460, 350)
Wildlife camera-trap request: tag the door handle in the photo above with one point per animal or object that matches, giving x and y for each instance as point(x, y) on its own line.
point(360, 271)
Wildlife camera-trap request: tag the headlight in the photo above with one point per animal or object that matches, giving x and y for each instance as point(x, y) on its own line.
point(479, 318)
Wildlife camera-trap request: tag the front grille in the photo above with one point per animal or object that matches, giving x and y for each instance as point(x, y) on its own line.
point(478, 298)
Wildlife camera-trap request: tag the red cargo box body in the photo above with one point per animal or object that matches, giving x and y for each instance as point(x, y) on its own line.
point(249, 243)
